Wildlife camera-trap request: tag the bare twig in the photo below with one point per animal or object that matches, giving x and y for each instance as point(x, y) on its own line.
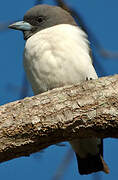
point(86, 110)
point(64, 165)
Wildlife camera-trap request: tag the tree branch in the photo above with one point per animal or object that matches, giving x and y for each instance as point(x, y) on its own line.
point(89, 109)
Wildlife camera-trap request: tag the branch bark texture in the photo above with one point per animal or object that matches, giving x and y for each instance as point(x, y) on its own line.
point(84, 110)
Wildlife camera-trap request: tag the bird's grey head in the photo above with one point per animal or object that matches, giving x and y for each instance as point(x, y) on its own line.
point(40, 17)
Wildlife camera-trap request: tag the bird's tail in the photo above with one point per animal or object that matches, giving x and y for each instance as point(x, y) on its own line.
point(91, 164)
point(89, 154)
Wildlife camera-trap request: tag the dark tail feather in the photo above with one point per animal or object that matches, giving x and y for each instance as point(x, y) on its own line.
point(91, 164)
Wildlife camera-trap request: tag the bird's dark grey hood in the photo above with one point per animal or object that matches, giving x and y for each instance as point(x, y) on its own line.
point(41, 17)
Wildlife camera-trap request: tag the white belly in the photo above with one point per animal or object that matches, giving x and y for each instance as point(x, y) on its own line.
point(57, 56)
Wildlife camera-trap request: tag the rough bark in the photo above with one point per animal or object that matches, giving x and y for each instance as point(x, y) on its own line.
point(85, 110)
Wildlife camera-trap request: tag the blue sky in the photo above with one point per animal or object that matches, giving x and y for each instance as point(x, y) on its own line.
point(101, 18)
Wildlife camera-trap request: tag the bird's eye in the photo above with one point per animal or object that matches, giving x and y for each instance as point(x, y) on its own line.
point(40, 19)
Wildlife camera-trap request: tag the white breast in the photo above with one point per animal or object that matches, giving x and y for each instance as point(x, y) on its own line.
point(57, 56)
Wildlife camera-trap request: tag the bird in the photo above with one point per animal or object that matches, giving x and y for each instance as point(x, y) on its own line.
point(56, 54)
